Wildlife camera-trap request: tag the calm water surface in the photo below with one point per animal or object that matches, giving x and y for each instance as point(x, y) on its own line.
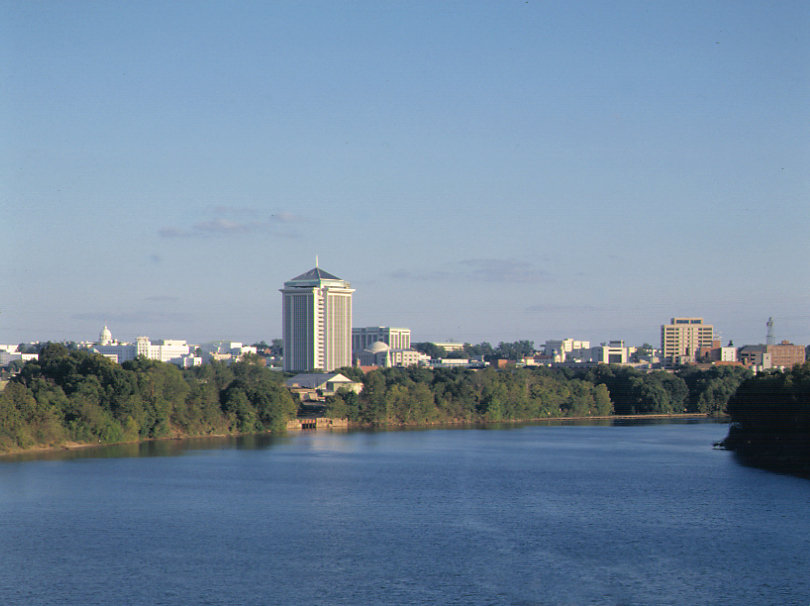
point(633, 514)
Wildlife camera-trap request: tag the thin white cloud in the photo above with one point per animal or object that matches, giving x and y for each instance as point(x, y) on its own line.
point(227, 224)
point(286, 217)
point(223, 226)
point(503, 270)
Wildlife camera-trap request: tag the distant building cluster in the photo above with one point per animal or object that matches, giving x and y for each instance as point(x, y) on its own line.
point(318, 333)
point(572, 353)
point(318, 338)
point(176, 351)
point(783, 355)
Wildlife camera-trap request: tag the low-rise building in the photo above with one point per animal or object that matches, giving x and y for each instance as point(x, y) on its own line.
point(786, 354)
point(755, 356)
point(381, 354)
point(612, 352)
point(395, 338)
point(717, 353)
point(725, 354)
point(450, 346)
point(7, 357)
point(474, 362)
point(117, 352)
point(165, 350)
point(226, 350)
point(316, 386)
point(564, 350)
point(762, 357)
point(539, 359)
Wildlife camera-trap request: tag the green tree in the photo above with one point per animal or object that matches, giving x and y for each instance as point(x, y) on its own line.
point(238, 409)
point(430, 349)
point(272, 402)
point(17, 408)
point(336, 405)
point(710, 390)
point(515, 350)
point(351, 372)
point(373, 403)
point(482, 349)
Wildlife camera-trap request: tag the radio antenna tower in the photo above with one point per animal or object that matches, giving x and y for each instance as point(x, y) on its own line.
point(769, 340)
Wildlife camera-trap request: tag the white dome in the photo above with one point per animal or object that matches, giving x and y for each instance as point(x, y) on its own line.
point(377, 347)
point(105, 336)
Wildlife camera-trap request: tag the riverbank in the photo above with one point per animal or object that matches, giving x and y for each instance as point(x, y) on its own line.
point(326, 424)
point(71, 445)
point(558, 419)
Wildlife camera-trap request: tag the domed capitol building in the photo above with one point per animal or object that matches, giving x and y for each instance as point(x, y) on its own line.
point(382, 354)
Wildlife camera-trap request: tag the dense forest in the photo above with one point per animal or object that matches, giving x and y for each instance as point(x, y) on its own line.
point(74, 395)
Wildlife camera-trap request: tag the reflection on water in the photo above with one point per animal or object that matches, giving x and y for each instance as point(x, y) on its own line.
point(177, 447)
point(152, 448)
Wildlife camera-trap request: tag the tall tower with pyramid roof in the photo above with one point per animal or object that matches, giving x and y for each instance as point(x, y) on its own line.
point(317, 321)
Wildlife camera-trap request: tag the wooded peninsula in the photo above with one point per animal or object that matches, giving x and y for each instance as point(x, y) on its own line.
point(770, 421)
point(81, 397)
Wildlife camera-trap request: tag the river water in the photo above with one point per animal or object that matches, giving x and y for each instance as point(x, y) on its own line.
point(561, 514)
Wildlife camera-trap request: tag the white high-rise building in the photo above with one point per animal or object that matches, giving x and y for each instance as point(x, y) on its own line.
point(317, 321)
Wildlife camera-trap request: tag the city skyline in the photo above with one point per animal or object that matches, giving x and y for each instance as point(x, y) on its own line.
point(106, 335)
point(478, 172)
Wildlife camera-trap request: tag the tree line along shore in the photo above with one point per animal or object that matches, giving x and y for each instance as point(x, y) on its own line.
point(770, 421)
point(80, 397)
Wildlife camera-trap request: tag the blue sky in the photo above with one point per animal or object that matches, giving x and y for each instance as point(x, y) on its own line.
point(477, 170)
